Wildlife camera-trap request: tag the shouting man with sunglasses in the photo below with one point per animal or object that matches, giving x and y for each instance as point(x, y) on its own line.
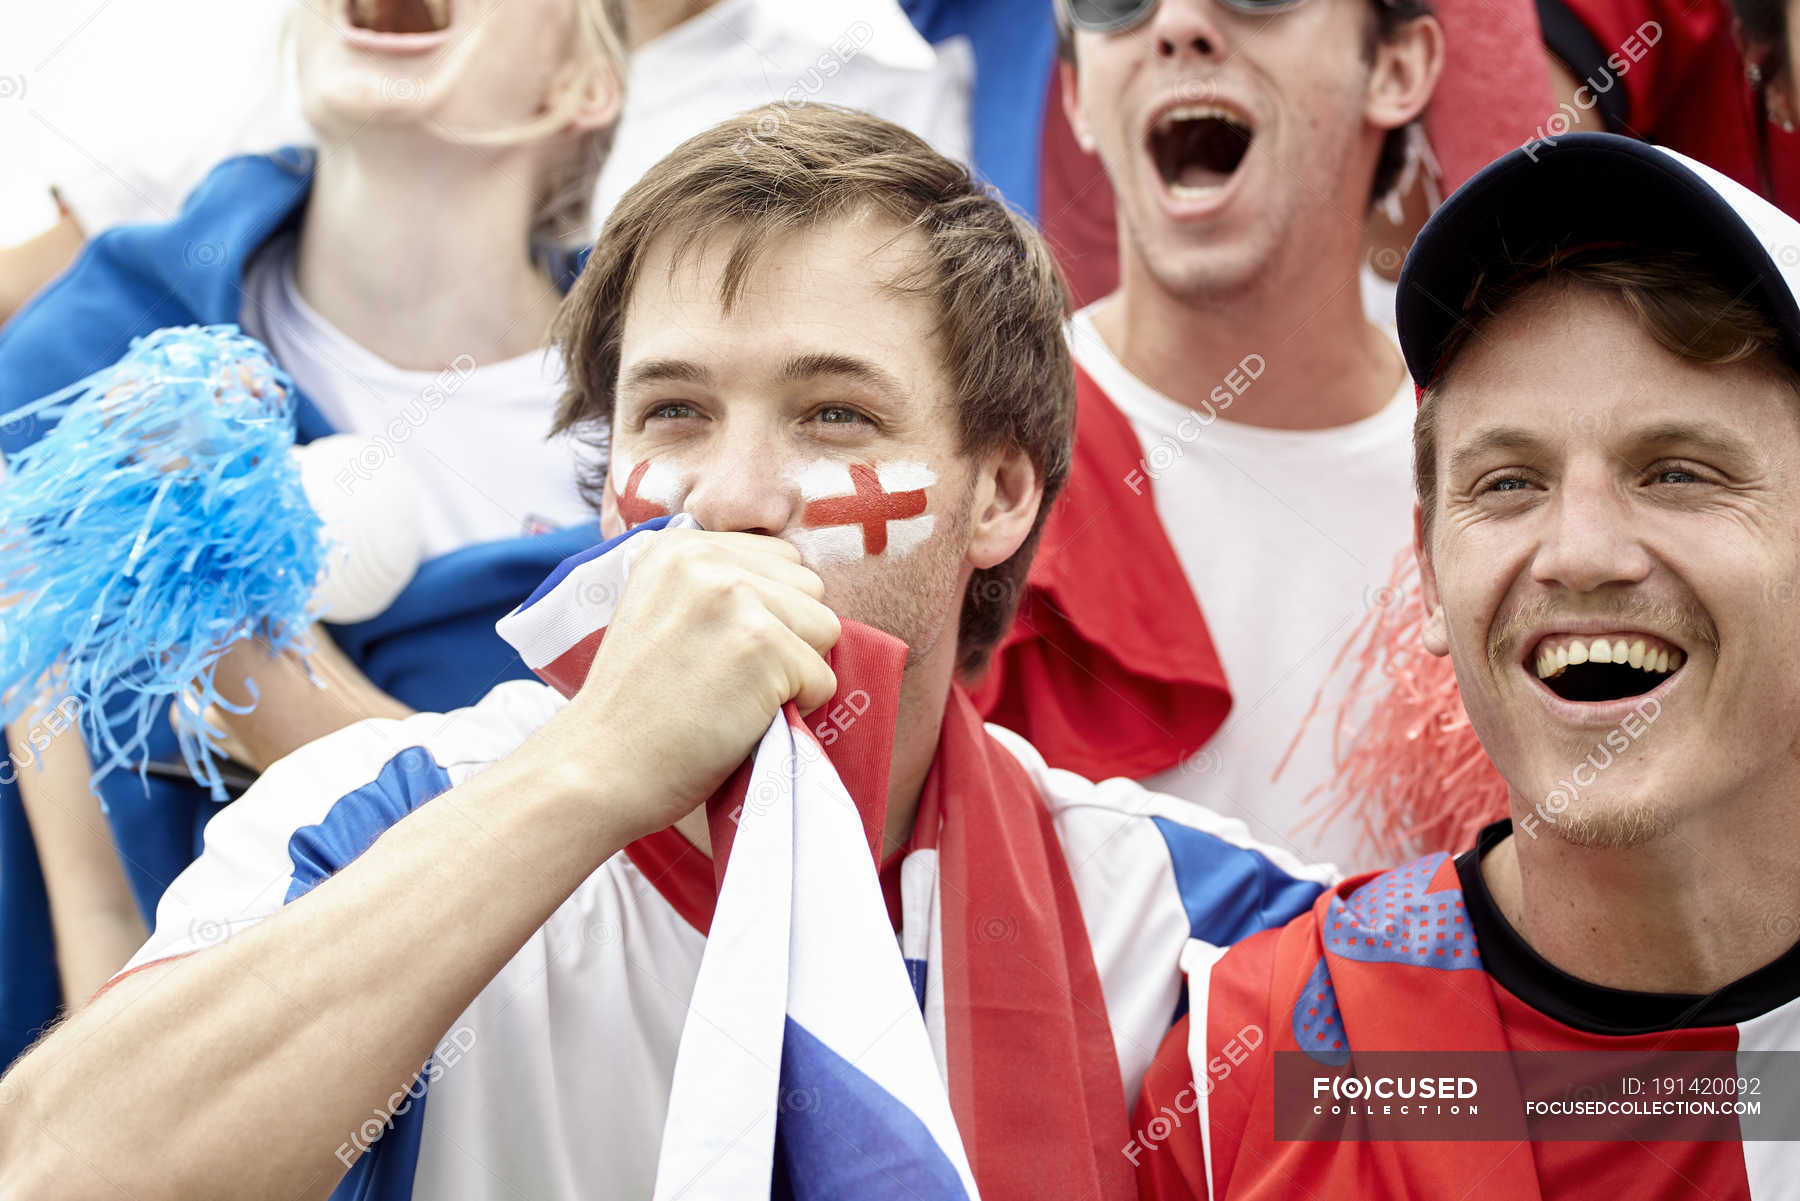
point(1243, 439)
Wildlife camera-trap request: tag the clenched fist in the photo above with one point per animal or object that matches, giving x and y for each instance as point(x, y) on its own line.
point(713, 634)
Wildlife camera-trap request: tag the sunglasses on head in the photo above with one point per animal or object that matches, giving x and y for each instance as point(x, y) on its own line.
point(1116, 16)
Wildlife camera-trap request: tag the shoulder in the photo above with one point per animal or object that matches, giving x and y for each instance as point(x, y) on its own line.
point(131, 279)
point(1108, 804)
point(454, 741)
point(362, 779)
point(1117, 831)
point(315, 810)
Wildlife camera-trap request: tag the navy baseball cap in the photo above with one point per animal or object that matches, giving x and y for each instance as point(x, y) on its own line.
point(1591, 189)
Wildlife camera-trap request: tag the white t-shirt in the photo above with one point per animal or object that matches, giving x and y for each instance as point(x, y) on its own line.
point(1287, 538)
point(555, 1081)
point(474, 435)
point(743, 53)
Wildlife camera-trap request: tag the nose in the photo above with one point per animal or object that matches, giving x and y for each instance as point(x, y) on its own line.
point(742, 484)
point(1592, 540)
point(1186, 29)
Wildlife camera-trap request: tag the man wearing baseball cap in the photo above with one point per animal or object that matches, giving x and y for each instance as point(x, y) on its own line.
point(1594, 1001)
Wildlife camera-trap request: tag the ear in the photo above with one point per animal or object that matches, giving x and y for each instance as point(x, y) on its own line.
point(1434, 628)
point(1070, 88)
point(1008, 491)
point(589, 96)
point(1405, 73)
point(1778, 94)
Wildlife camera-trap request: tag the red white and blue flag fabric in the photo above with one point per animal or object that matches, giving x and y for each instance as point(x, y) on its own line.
point(974, 1021)
point(803, 1015)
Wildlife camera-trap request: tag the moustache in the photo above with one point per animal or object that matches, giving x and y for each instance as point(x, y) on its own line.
point(1683, 626)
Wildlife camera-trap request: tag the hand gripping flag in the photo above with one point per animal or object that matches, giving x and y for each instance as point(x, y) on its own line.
point(803, 1009)
point(817, 1059)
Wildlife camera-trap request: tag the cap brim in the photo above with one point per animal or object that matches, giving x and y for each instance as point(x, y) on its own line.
point(1583, 190)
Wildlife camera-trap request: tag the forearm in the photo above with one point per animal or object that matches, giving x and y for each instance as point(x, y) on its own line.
point(240, 1071)
point(28, 266)
point(93, 916)
point(292, 709)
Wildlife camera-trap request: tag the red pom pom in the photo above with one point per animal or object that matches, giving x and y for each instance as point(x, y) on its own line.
point(1413, 775)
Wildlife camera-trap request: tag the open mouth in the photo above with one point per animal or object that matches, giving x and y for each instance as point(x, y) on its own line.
point(1197, 147)
point(400, 16)
point(1604, 669)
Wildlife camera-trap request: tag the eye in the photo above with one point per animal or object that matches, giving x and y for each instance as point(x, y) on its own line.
point(673, 410)
point(1504, 483)
point(1674, 475)
point(841, 415)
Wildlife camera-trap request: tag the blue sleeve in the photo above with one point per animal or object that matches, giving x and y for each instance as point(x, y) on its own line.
point(1015, 51)
point(1230, 891)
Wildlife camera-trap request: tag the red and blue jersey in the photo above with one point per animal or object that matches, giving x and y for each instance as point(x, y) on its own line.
point(1420, 959)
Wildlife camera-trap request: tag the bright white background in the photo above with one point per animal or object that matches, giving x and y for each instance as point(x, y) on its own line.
point(81, 79)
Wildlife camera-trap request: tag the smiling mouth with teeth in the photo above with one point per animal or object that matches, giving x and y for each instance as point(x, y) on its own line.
point(1197, 147)
point(1605, 669)
point(400, 16)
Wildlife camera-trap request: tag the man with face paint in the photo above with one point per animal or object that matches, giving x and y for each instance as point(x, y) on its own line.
point(820, 341)
point(1609, 362)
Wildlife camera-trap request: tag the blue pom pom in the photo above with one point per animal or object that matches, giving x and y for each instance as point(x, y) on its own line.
point(161, 521)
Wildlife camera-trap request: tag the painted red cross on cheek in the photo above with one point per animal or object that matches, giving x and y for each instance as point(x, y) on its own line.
point(869, 507)
point(634, 510)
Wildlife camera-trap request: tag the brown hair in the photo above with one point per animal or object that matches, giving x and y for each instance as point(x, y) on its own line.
point(1673, 295)
point(602, 39)
point(784, 168)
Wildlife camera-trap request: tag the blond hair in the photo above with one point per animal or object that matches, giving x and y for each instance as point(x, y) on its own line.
point(601, 38)
point(601, 44)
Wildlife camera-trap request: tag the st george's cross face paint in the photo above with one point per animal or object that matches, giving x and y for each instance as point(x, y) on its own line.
point(853, 510)
point(646, 490)
point(845, 512)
